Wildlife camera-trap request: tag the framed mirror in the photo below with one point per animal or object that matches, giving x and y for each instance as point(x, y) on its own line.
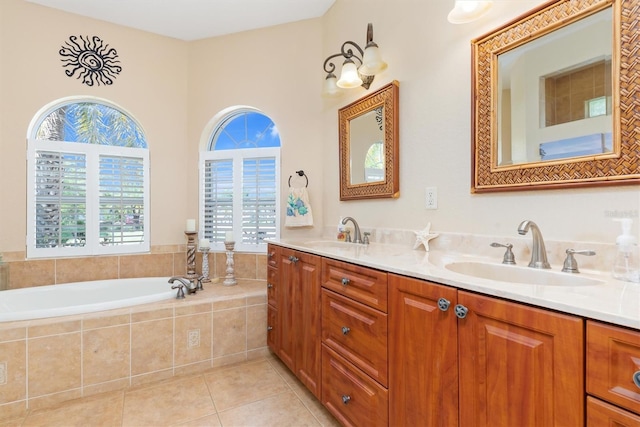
point(368, 146)
point(554, 98)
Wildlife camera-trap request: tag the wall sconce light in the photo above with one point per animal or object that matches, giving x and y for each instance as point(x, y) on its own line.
point(467, 10)
point(369, 63)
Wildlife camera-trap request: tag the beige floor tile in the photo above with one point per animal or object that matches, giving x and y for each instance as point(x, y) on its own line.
point(282, 410)
point(241, 385)
point(209, 421)
point(169, 403)
point(105, 411)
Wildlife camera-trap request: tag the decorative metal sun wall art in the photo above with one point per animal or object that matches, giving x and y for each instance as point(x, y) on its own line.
point(92, 60)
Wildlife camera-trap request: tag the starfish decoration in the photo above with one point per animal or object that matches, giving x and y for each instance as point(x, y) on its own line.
point(423, 237)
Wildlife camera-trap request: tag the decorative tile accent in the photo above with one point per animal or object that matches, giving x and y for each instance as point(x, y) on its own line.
point(3, 373)
point(193, 338)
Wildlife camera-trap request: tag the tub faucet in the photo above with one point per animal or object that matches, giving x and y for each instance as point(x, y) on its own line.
point(357, 238)
point(538, 251)
point(184, 283)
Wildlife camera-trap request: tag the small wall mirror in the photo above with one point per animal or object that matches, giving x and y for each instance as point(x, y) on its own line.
point(368, 146)
point(548, 109)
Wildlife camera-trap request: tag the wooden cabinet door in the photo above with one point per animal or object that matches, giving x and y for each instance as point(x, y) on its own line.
point(272, 329)
point(423, 354)
point(307, 308)
point(519, 365)
point(288, 277)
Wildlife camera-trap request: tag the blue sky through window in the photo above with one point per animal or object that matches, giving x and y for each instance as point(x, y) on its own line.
point(247, 130)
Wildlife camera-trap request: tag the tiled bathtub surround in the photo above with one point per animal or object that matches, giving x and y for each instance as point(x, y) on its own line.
point(47, 361)
point(163, 261)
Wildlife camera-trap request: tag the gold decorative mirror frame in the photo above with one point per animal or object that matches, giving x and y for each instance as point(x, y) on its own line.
point(621, 167)
point(386, 97)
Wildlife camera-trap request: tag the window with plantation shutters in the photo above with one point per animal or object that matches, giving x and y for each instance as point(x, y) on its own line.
point(240, 181)
point(88, 179)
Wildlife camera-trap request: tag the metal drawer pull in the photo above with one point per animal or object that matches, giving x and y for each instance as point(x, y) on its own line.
point(269, 328)
point(443, 304)
point(636, 378)
point(461, 311)
point(345, 330)
point(269, 286)
point(346, 398)
point(345, 281)
point(293, 259)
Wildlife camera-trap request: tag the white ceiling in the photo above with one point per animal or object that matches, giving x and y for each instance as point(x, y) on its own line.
point(194, 19)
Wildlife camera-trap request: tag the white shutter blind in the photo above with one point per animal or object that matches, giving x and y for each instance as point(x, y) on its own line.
point(60, 199)
point(121, 200)
point(258, 199)
point(218, 199)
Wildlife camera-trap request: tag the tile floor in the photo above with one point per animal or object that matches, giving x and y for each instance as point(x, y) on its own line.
point(261, 392)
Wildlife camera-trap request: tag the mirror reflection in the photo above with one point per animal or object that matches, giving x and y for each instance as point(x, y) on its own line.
point(554, 94)
point(366, 147)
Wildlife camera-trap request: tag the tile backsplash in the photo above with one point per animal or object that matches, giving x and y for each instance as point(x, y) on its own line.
point(163, 261)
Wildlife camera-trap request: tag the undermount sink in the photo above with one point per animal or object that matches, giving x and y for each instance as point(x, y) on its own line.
point(521, 275)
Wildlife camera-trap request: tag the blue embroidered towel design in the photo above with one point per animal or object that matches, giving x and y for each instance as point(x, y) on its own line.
point(298, 208)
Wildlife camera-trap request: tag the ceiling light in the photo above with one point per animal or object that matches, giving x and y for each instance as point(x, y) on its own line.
point(467, 10)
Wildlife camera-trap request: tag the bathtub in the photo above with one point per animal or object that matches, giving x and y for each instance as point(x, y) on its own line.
point(81, 297)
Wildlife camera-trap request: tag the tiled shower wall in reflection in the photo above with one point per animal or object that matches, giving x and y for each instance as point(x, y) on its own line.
point(163, 261)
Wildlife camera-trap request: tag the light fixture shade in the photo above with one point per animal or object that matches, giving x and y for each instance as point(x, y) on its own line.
point(349, 77)
point(330, 87)
point(468, 10)
point(372, 62)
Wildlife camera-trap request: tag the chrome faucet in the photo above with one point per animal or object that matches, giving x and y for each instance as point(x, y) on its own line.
point(357, 238)
point(538, 251)
point(184, 284)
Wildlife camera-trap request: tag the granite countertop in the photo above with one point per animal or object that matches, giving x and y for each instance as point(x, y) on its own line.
point(609, 300)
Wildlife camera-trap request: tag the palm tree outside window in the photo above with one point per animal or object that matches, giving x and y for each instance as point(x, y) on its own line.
point(88, 166)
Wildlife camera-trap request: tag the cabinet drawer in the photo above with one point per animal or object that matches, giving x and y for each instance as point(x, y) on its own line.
point(363, 284)
point(356, 332)
point(613, 359)
point(602, 414)
point(272, 286)
point(350, 395)
point(273, 255)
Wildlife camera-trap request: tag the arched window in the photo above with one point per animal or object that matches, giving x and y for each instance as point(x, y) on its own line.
point(88, 178)
point(240, 172)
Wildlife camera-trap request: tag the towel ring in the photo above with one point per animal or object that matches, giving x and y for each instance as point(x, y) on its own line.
point(300, 173)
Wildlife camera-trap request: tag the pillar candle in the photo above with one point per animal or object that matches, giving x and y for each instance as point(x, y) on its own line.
point(191, 225)
point(204, 243)
point(228, 237)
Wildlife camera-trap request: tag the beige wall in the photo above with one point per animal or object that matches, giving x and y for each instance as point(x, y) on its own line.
point(174, 88)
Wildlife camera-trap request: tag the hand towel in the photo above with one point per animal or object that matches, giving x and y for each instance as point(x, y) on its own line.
point(298, 208)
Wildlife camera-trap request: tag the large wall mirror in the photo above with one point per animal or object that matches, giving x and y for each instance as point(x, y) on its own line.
point(368, 146)
point(555, 99)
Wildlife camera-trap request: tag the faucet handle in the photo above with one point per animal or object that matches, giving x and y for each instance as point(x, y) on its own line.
point(508, 257)
point(180, 288)
point(570, 265)
point(365, 239)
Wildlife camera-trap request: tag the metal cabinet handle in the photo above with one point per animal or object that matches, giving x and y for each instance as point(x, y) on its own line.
point(636, 378)
point(443, 304)
point(345, 330)
point(293, 259)
point(271, 254)
point(269, 286)
point(345, 281)
point(346, 398)
point(461, 311)
point(269, 328)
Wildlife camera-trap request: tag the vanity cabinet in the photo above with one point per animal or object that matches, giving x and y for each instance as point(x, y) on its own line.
point(354, 344)
point(458, 358)
point(298, 315)
point(613, 375)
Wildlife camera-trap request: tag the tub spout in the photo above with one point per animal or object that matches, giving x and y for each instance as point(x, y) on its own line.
point(184, 283)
